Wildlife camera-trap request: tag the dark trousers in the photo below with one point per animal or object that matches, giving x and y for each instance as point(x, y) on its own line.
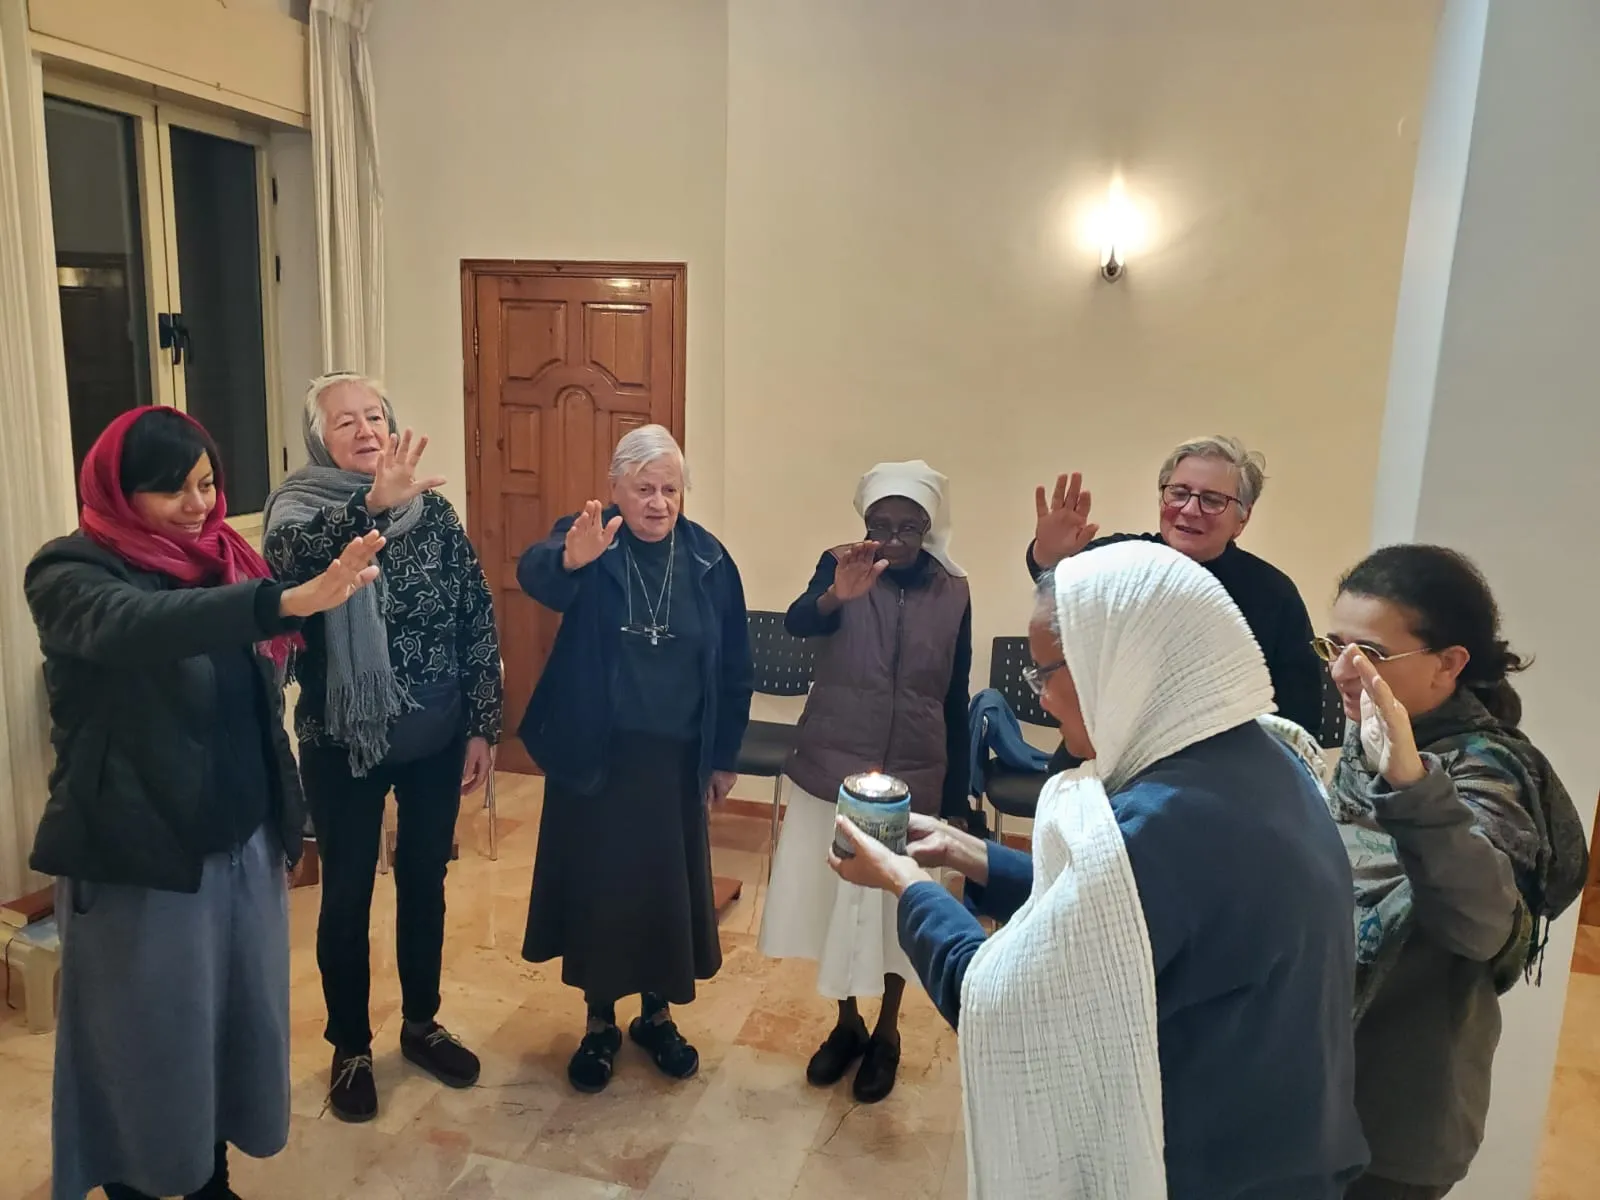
point(347, 814)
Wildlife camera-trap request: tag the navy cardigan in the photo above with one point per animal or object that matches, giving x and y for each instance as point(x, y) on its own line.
point(568, 722)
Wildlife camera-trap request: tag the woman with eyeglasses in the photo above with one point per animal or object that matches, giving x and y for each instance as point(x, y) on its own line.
point(1208, 491)
point(895, 618)
point(1464, 844)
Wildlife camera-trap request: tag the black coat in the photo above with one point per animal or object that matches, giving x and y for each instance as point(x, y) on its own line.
point(133, 701)
point(568, 721)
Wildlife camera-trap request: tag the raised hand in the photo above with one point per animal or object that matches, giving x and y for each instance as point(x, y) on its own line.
point(1062, 528)
point(1387, 739)
point(858, 567)
point(589, 536)
point(348, 574)
point(394, 480)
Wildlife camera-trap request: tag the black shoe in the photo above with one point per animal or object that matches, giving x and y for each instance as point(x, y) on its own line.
point(216, 1187)
point(441, 1054)
point(833, 1058)
point(674, 1057)
point(875, 1079)
point(352, 1094)
point(590, 1068)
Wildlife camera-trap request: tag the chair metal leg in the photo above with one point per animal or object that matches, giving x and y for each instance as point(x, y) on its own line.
point(383, 838)
point(772, 839)
point(492, 807)
point(999, 827)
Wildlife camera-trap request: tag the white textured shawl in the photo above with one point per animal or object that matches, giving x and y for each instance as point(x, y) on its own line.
point(1059, 1067)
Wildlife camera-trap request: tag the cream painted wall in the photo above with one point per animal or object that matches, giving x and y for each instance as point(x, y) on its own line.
point(548, 129)
point(902, 178)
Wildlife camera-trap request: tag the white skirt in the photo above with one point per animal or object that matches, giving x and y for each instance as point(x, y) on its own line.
point(850, 932)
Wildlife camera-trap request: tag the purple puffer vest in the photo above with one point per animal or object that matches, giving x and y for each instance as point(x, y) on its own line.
point(878, 698)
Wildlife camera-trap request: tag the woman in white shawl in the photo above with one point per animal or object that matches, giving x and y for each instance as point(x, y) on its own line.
point(1167, 1012)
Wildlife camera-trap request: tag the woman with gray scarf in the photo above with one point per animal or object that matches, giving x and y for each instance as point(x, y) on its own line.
point(399, 689)
point(1464, 845)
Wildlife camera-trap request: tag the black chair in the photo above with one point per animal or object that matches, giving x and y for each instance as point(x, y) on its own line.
point(1331, 736)
point(1013, 793)
point(784, 666)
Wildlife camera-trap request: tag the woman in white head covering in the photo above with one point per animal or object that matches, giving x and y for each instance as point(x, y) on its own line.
point(895, 620)
point(1168, 1011)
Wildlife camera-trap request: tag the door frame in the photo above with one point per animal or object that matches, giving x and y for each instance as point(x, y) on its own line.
point(473, 269)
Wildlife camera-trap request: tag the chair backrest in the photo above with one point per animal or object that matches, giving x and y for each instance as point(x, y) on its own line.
point(1331, 735)
point(1006, 661)
point(784, 665)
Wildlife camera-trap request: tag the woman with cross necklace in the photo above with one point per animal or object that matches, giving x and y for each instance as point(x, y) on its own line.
point(636, 723)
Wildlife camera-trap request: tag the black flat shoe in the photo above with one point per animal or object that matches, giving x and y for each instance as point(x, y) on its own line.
point(674, 1057)
point(875, 1079)
point(441, 1054)
point(834, 1057)
point(352, 1093)
point(590, 1068)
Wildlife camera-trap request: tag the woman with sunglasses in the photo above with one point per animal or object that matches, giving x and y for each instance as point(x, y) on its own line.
point(1208, 492)
point(1463, 844)
point(890, 694)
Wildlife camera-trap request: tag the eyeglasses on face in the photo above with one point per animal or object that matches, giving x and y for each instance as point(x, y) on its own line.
point(1177, 496)
point(1328, 649)
point(883, 533)
point(1037, 677)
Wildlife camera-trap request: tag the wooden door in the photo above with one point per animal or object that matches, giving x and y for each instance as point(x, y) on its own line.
point(562, 359)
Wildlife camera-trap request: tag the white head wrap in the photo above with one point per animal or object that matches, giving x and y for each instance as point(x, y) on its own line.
point(1061, 1076)
point(920, 483)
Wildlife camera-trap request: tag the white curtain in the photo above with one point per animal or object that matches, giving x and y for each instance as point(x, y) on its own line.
point(344, 150)
point(37, 498)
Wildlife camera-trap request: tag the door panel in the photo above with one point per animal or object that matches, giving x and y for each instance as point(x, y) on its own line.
point(563, 360)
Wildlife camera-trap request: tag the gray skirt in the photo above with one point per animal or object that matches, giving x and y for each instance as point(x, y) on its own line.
point(174, 1027)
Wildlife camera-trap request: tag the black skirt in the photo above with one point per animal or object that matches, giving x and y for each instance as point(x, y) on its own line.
point(622, 879)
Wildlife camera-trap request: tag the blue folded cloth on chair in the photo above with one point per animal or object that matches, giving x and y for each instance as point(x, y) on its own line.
point(996, 732)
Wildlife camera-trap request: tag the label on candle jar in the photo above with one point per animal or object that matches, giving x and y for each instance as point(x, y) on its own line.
point(880, 806)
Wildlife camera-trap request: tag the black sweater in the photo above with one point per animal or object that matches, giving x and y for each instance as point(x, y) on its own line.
point(1276, 614)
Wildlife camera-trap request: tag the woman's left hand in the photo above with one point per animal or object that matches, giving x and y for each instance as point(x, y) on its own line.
point(721, 784)
point(480, 761)
point(1386, 734)
point(873, 864)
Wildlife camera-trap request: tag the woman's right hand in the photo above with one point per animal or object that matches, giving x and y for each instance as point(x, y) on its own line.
point(1062, 527)
point(857, 569)
point(350, 572)
point(589, 536)
point(935, 843)
point(394, 481)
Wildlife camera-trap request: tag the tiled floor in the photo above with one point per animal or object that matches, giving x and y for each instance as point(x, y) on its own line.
point(748, 1128)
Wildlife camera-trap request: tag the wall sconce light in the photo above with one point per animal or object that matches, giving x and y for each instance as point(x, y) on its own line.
point(1116, 227)
point(1111, 262)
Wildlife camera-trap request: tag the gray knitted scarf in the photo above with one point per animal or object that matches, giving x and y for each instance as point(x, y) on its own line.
point(363, 696)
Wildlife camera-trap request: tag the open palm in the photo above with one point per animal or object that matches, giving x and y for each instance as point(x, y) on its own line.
point(1387, 739)
point(1062, 527)
point(857, 569)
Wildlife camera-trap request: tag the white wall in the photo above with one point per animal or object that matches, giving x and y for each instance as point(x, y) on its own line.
point(548, 129)
point(903, 179)
point(1510, 428)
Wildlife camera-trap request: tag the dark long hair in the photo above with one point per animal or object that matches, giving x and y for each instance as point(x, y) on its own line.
point(1448, 603)
point(159, 450)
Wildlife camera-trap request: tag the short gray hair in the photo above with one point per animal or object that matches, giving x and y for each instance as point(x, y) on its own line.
point(316, 418)
point(642, 446)
point(1251, 464)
